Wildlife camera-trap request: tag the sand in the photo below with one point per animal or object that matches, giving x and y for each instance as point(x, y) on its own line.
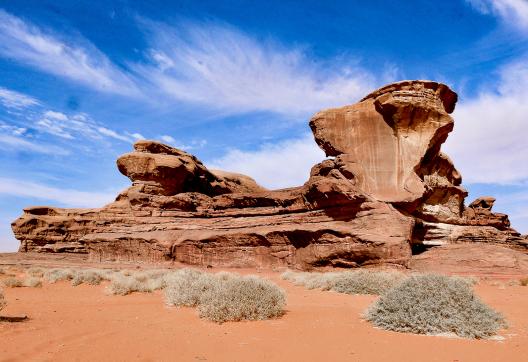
point(84, 324)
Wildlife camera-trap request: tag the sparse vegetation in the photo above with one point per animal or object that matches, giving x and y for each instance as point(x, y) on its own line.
point(55, 275)
point(3, 301)
point(523, 281)
point(32, 282)
point(224, 296)
point(146, 282)
point(348, 282)
point(13, 282)
point(435, 304)
point(35, 272)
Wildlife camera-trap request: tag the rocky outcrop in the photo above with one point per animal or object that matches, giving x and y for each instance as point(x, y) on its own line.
point(385, 189)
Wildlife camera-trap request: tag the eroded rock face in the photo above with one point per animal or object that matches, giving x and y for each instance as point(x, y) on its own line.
point(386, 188)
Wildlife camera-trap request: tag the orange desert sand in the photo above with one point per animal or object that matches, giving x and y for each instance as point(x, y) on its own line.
point(84, 324)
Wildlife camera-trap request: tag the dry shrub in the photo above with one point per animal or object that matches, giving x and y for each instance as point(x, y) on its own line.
point(3, 301)
point(55, 275)
point(225, 296)
point(89, 276)
point(435, 304)
point(32, 282)
point(13, 282)
point(35, 272)
point(186, 287)
point(348, 282)
point(125, 284)
point(242, 298)
point(523, 281)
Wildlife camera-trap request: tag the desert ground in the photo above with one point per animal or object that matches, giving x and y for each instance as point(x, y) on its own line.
point(82, 323)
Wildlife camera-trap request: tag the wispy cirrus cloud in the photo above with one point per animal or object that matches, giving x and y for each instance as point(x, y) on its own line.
point(31, 45)
point(62, 196)
point(223, 68)
point(511, 11)
point(12, 99)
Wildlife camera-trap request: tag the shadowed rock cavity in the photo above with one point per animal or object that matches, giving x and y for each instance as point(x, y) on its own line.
point(388, 187)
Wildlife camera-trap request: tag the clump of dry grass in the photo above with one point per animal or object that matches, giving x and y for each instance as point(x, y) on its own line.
point(523, 281)
point(435, 304)
point(89, 276)
point(58, 274)
point(32, 282)
point(130, 282)
point(3, 301)
point(348, 282)
point(13, 282)
point(35, 272)
point(225, 296)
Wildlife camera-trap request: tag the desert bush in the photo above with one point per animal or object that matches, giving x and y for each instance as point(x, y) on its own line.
point(55, 275)
point(32, 282)
point(224, 296)
point(241, 298)
point(434, 304)
point(122, 284)
point(3, 301)
point(523, 281)
point(35, 272)
point(89, 276)
point(186, 287)
point(348, 282)
point(13, 282)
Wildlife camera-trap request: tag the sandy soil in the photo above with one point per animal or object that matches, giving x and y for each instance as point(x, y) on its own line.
point(84, 324)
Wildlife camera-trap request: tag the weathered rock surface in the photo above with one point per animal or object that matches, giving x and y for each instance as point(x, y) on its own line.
point(386, 188)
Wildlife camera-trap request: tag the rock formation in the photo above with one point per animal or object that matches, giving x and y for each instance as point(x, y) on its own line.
point(385, 190)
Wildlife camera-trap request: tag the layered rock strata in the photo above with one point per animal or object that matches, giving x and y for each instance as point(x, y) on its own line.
point(385, 188)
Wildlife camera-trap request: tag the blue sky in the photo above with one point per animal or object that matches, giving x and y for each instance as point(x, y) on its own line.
point(235, 83)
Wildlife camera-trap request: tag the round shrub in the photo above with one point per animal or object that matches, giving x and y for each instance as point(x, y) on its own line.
point(435, 304)
point(242, 298)
point(186, 287)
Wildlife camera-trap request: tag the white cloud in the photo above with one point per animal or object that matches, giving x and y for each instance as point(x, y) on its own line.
point(15, 143)
point(488, 144)
point(225, 69)
point(28, 44)
point(511, 11)
point(167, 139)
point(66, 197)
point(279, 165)
point(12, 99)
point(79, 126)
point(56, 115)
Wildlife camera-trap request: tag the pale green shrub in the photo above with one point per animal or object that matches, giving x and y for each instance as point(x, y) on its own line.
point(435, 304)
point(13, 282)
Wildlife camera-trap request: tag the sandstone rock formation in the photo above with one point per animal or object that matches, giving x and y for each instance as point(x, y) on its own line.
point(386, 190)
